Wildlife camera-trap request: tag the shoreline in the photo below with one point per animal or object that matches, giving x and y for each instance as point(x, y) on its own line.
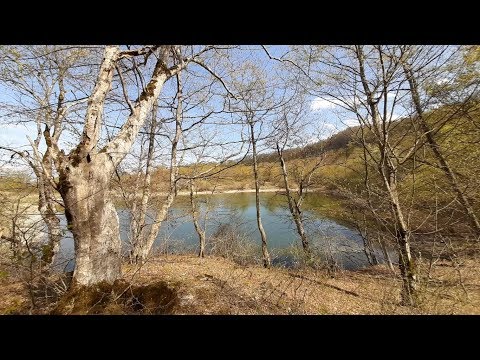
point(209, 192)
point(224, 191)
point(231, 191)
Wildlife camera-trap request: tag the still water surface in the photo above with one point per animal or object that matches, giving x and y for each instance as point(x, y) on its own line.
point(238, 210)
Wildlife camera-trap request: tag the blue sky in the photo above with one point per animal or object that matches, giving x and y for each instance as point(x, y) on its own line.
point(323, 116)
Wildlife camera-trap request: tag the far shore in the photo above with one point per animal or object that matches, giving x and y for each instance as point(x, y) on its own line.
point(228, 191)
point(220, 191)
point(231, 191)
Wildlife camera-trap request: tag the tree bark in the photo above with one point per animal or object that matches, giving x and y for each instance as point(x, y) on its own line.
point(93, 221)
point(405, 259)
point(265, 255)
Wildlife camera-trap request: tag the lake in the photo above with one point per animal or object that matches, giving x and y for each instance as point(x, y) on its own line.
point(237, 210)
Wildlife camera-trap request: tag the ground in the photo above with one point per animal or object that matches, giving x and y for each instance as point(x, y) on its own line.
point(219, 286)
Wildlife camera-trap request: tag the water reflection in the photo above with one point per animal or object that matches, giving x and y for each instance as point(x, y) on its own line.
point(327, 236)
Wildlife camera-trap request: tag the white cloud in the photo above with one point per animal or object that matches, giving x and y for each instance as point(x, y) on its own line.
point(332, 103)
point(354, 122)
point(319, 104)
point(312, 140)
point(350, 122)
point(19, 125)
point(326, 130)
point(394, 117)
point(325, 103)
point(329, 126)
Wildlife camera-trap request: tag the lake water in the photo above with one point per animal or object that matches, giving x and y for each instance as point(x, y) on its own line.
point(238, 211)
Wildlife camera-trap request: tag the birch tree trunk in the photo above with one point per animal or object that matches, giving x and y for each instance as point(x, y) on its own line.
point(265, 254)
point(46, 203)
point(93, 221)
point(405, 260)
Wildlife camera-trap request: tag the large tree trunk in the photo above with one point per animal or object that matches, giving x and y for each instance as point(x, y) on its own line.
point(444, 165)
point(92, 219)
point(294, 209)
point(86, 172)
point(265, 254)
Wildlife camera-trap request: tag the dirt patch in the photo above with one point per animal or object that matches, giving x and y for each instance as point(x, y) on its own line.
point(119, 298)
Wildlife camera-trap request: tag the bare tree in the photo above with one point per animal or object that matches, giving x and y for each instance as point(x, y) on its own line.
point(367, 82)
point(41, 74)
point(414, 64)
point(85, 173)
point(289, 132)
point(144, 244)
point(253, 105)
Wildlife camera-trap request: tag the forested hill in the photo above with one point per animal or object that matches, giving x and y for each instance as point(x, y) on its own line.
point(337, 141)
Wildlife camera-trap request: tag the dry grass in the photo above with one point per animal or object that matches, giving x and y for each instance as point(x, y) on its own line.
point(216, 285)
point(13, 297)
point(219, 286)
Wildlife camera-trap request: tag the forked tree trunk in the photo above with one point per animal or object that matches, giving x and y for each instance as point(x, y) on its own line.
point(85, 175)
point(46, 202)
point(265, 255)
point(144, 244)
point(387, 171)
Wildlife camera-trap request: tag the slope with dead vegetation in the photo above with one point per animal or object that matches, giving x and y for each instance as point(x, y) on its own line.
point(186, 284)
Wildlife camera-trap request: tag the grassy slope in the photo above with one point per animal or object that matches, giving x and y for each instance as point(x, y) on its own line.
point(218, 286)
